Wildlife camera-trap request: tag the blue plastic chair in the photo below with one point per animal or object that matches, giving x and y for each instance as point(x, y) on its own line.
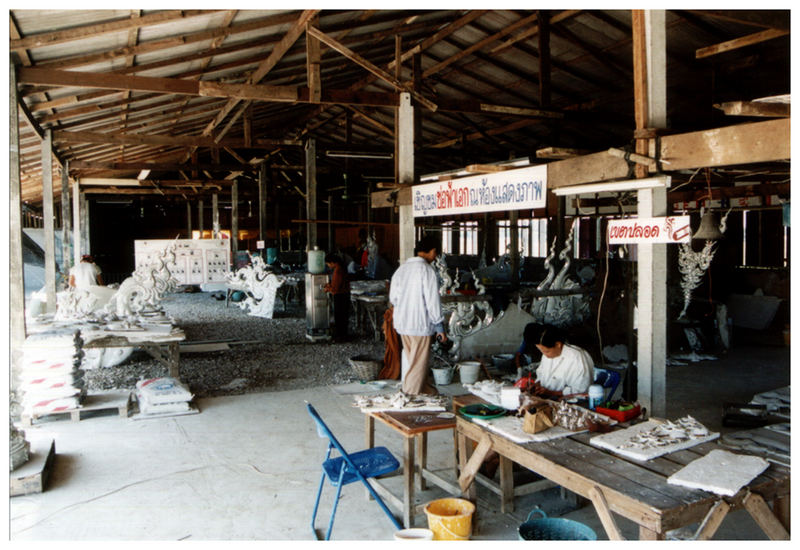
point(349, 468)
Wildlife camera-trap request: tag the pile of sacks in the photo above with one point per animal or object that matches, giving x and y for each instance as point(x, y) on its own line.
point(162, 395)
point(51, 377)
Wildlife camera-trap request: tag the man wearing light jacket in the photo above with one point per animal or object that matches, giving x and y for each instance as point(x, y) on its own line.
point(414, 293)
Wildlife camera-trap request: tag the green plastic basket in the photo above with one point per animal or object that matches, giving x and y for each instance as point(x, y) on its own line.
point(545, 528)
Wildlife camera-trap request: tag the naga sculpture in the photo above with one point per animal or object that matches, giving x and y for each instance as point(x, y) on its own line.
point(260, 285)
point(142, 292)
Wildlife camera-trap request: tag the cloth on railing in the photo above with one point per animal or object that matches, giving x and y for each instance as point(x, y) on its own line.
point(391, 358)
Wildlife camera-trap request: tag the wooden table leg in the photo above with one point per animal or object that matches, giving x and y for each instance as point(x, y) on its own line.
point(174, 360)
point(712, 521)
point(471, 467)
point(369, 439)
point(604, 513)
point(472, 492)
point(506, 485)
point(422, 460)
point(649, 534)
point(782, 509)
point(760, 512)
point(408, 483)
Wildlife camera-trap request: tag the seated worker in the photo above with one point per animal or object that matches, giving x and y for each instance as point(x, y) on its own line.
point(530, 336)
point(85, 274)
point(564, 369)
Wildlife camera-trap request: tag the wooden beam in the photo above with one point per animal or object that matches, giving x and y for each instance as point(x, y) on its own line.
point(486, 168)
point(155, 166)
point(16, 271)
point(741, 42)
point(559, 153)
point(313, 75)
point(754, 108)
point(155, 139)
point(375, 70)
point(88, 31)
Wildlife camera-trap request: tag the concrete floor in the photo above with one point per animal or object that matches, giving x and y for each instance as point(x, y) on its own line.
point(247, 467)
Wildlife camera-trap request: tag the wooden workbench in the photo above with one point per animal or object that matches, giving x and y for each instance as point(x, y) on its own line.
point(163, 347)
point(636, 490)
point(414, 427)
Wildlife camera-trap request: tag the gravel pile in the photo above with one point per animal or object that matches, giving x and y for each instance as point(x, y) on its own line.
point(264, 355)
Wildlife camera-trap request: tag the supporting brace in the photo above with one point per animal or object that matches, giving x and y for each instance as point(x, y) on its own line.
point(601, 506)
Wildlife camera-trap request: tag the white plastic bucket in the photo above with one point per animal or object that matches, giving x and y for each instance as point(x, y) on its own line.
point(417, 533)
point(469, 371)
point(316, 261)
point(442, 376)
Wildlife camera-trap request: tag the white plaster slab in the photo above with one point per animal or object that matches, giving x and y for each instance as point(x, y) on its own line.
point(720, 472)
point(511, 428)
point(613, 441)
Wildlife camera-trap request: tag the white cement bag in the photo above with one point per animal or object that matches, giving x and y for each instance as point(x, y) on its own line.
point(156, 391)
point(47, 406)
point(146, 408)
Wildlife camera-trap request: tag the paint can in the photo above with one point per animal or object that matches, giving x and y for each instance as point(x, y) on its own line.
point(596, 395)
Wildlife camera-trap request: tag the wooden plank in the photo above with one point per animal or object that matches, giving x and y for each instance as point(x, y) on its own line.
point(32, 476)
point(559, 153)
point(712, 521)
point(601, 507)
point(475, 461)
point(86, 31)
point(408, 482)
point(755, 108)
point(506, 485)
point(313, 75)
point(763, 516)
point(95, 401)
point(740, 42)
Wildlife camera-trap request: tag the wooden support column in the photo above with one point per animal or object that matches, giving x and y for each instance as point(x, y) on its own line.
point(215, 216)
point(405, 173)
point(86, 243)
point(188, 220)
point(200, 217)
point(262, 201)
point(77, 226)
point(66, 260)
point(49, 222)
point(543, 18)
point(235, 220)
point(16, 272)
point(311, 192)
point(331, 247)
point(649, 47)
point(513, 218)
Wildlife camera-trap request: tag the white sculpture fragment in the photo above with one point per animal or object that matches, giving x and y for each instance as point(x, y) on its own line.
point(260, 284)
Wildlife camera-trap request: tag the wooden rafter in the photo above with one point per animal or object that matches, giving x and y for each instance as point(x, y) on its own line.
point(741, 42)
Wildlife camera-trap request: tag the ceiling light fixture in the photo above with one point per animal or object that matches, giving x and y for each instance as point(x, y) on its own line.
point(614, 186)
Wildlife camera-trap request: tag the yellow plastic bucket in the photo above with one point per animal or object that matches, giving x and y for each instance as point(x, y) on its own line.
point(450, 518)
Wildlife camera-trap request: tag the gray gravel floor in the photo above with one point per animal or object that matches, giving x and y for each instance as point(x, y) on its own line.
point(264, 355)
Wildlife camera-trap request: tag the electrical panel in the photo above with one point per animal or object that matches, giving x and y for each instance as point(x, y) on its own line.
point(197, 261)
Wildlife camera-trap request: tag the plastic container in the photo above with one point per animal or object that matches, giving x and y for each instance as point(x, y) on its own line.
point(414, 534)
point(316, 261)
point(545, 528)
point(621, 416)
point(450, 518)
point(596, 395)
point(469, 371)
point(442, 376)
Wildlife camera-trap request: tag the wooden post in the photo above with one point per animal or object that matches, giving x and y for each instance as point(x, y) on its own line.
point(311, 192)
point(235, 220)
point(262, 202)
point(16, 272)
point(513, 218)
point(77, 241)
point(49, 228)
point(188, 220)
point(404, 135)
point(215, 216)
point(543, 18)
point(331, 247)
point(200, 217)
point(649, 45)
point(66, 260)
point(84, 218)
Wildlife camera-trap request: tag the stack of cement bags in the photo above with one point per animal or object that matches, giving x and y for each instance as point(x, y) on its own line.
point(18, 447)
point(162, 395)
point(51, 377)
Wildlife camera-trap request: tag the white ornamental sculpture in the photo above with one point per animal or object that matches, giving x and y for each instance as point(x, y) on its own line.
point(142, 292)
point(260, 284)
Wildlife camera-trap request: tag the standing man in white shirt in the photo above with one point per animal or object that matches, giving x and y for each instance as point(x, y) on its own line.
point(414, 293)
point(85, 274)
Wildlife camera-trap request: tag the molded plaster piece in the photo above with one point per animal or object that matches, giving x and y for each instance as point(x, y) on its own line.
point(652, 439)
point(720, 472)
point(260, 284)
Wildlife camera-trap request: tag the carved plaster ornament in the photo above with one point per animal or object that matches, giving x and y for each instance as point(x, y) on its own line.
point(260, 284)
point(693, 265)
point(560, 310)
point(142, 292)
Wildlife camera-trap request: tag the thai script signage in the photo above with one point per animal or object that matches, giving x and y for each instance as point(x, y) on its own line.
point(673, 229)
point(523, 188)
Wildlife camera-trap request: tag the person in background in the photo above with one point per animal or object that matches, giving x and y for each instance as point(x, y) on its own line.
point(564, 369)
point(339, 288)
point(414, 293)
point(85, 274)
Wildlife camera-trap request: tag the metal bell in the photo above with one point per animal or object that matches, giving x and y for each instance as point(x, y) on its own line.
point(709, 227)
